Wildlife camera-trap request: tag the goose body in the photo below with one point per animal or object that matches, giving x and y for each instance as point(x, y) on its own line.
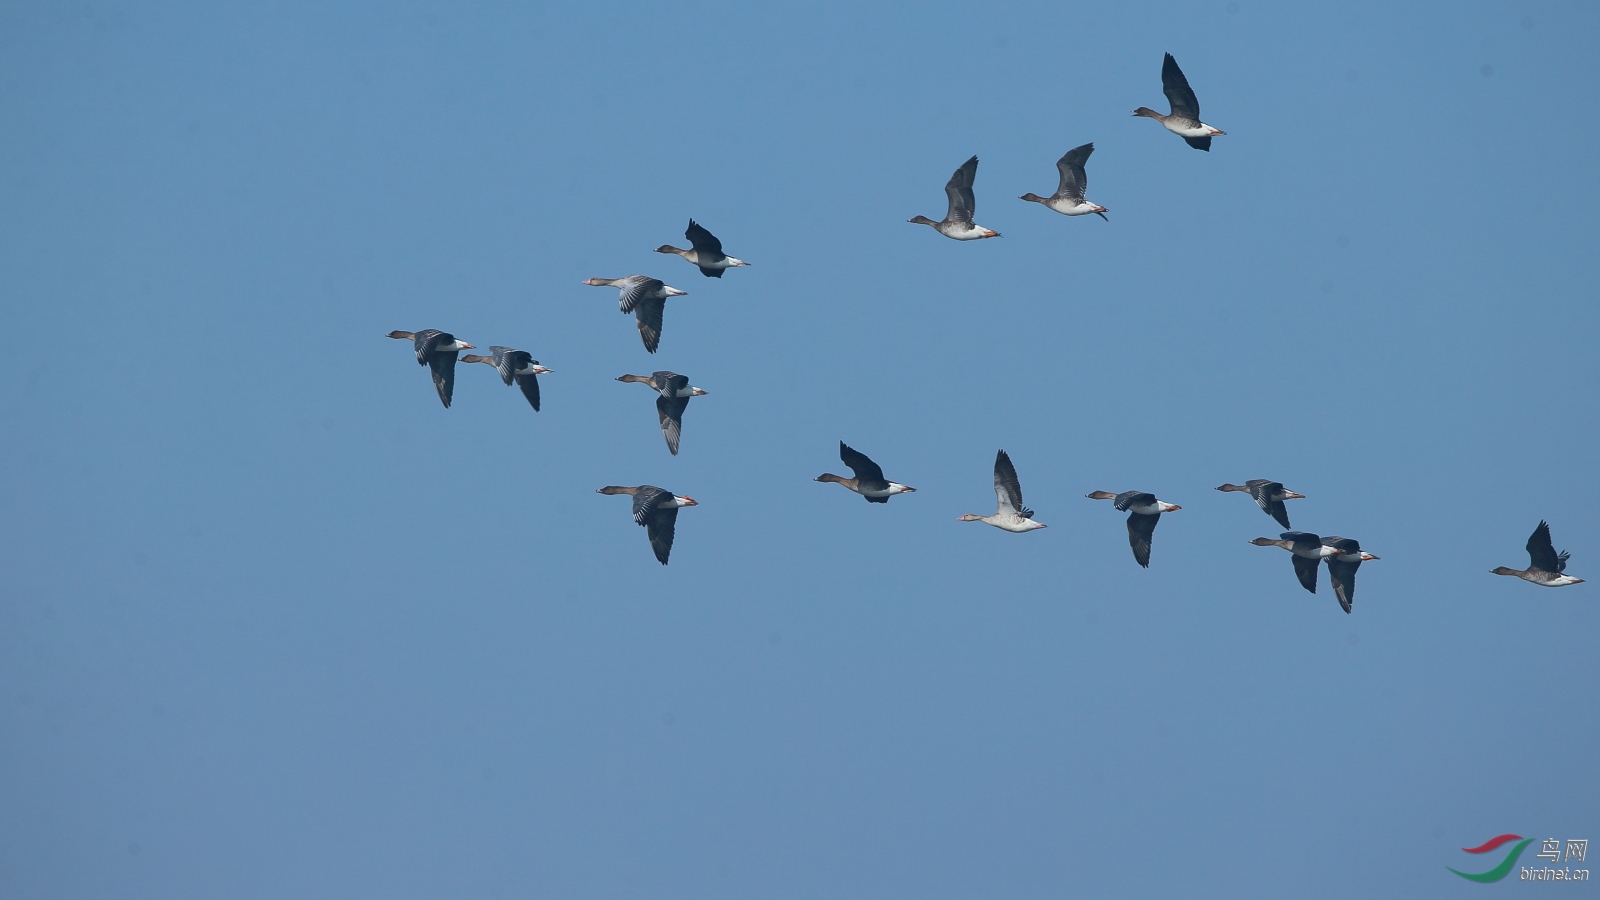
point(705, 251)
point(1269, 495)
point(1546, 567)
point(1342, 567)
point(438, 351)
point(1144, 513)
point(646, 298)
point(517, 366)
point(1184, 120)
point(963, 205)
point(1010, 514)
point(1068, 198)
point(675, 392)
point(869, 481)
point(1308, 550)
point(657, 510)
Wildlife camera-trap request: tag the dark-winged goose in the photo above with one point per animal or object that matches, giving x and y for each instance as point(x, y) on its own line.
point(957, 221)
point(646, 298)
point(675, 392)
point(1185, 118)
point(869, 481)
point(1144, 512)
point(438, 351)
point(1269, 495)
point(1546, 567)
point(706, 252)
point(657, 510)
point(514, 365)
point(1068, 198)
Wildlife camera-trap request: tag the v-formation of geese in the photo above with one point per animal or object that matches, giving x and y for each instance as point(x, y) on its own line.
point(656, 509)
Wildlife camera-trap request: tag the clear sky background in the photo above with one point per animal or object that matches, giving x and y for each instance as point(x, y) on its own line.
point(276, 624)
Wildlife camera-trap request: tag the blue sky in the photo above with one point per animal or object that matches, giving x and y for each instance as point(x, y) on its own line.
point(277, 624)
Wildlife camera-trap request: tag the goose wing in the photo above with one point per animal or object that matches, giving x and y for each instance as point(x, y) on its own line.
point(508, 361)
point(1179, 94)
point(529, 384)
point(1343, 577)
point(670, 410)
point(1141, 530)
point(1306, 570)
point(865, 470)
point(645, 500)
point(635, 288)
point(1128, 499)
point(648, 314)
point(1074, 181)
point(1265, 491)
point(443, 367)
point(1542, 552)
point(426, 340)
point(1007, 489)
point(661, 526)
point(963, 205)
point(706, 246)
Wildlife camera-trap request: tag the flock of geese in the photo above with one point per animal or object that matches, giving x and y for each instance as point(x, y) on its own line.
point(656, 509)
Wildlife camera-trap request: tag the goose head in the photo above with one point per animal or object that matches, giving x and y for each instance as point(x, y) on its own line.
point(922, 220)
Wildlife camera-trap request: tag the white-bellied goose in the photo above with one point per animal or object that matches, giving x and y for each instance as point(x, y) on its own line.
point(657, 510)
point(675, 392)
point(1269, 495)
point(1144, 511)
point(957, 221)
point(646, 298)
point(1545, 565)
point(1308, 551)
point(1342, 567)
point(1068, 198)
point(1010, 514)
point(706, 253)
point(438, 351)
point(1185, 118)
point(869, 481)
point(514, 365)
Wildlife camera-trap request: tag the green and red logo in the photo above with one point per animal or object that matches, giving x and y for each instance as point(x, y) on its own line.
point(1495, 843)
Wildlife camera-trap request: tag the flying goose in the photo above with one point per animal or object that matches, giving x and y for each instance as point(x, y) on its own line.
point(1269, 495)
point(514, 365)
point(438, 351)
point(958, 222)
point(707, 252)
point(646, 298)
point(1144, 511)
point(1342, 567)
point(1185, 118)
point(1308, 550)
point(869, 481)
point(675, 393)
point(1546, 567)
point(657, 510)
point(1068, 198)
point(1010, 514)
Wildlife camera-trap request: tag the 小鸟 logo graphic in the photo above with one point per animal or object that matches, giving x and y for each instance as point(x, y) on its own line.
point(1502, 870)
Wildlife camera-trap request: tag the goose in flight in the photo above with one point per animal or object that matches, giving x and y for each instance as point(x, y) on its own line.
point(1010, 514)
point(514, 365)
point(1546, 567)
point(1185, 118)
point(1068, 198)
point(869, 481)
point(657, 510)
point(675, 392)
point(438, 351)
point(646, 298)
point(1308, 550)
point(1144, 511)
point(1269, 495)
point(706, 253)
point(957, 221)
point(1342, 567)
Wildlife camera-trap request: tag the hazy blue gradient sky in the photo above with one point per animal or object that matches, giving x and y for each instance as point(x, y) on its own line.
point(275, 624)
